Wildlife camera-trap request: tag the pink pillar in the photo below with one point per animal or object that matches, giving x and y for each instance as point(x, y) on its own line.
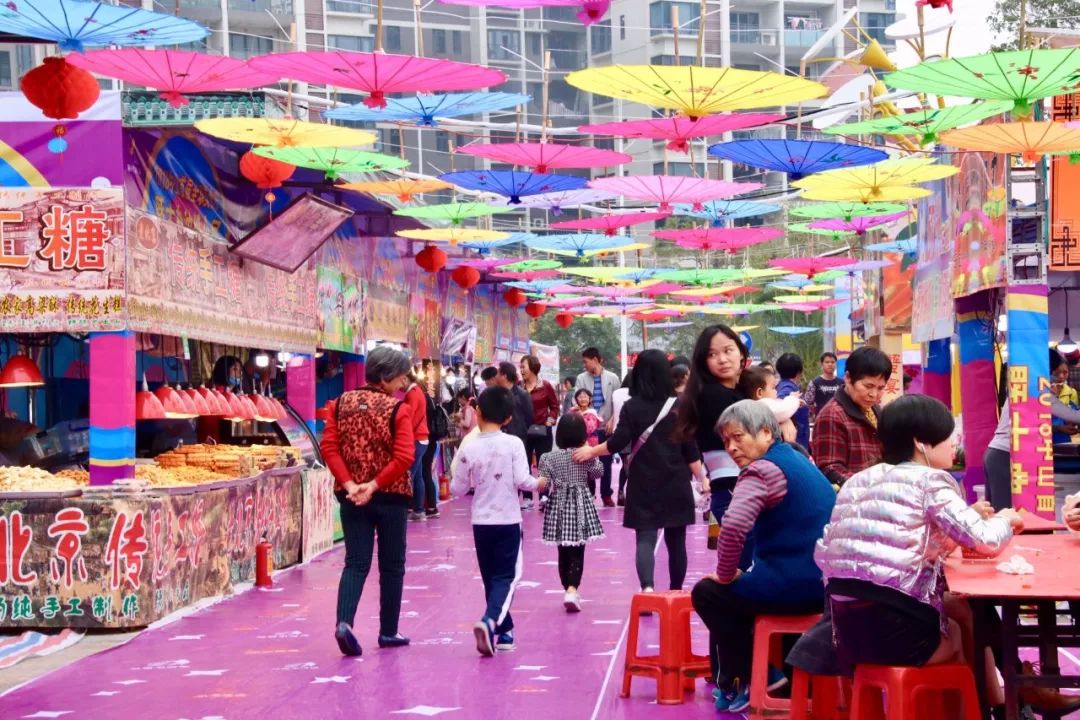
point(112, 407)
point(300, 387)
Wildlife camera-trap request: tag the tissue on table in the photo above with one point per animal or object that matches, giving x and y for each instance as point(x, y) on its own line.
point(1016, 565)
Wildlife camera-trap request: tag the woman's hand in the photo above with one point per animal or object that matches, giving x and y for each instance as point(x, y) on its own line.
point(984, 508)
point(1072, 519)
point(1015, 519)
point(350, 487)
point(363, 493)
point(585, 454)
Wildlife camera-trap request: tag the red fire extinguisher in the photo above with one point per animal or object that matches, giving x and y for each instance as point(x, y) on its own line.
point(264, 563)
point(444, 487)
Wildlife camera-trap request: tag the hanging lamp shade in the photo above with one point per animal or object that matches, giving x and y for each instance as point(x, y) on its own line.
point(535, 309)
point(237, 411)
point(213, 402)
point(147, 404)
point(201, 406)
point(264, 411)
point(177, 406)
point(61, 91)
point(20, 371)
point(250, 413)
point(279, 408)
point(267, 173)
point(514, 297)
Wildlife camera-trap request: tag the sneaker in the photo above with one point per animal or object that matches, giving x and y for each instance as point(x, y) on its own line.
point(416, 516)
point(777, 679)
point(608, 502)
point(485, 638)
point(722, 698)
point(432, 513)
point(505, 642)
point(392, 641)
point(572, 602)
point(346, 641)
point(739, 700)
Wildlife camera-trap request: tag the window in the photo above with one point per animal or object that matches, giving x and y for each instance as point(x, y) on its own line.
point(390, 140)
point(503, 45)
point(366, 7)
point(744, 27)
point(536, 45)
point(747, 66)
point(5, 69)
point(455, 41)
point(890, 4)
point(442, 141)
point(351, 43)
point(438, 41)
point(662, 60)
point(875, 23)
point(660, 17)
point(674, 168)
point(247, 46)
point(393, 38)
point(601, 37)
point(24, 59)
point(622, 27)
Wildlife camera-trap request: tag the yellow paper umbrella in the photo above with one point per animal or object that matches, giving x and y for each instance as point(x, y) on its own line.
point(696, 91)
point(1031, 140)
point(402, 188)
point(452, 235)
point(283, 132)
point(744, 328)
point(889, 181)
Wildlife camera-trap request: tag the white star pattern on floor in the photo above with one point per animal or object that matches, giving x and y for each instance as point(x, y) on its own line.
point(425, 710)
point(49, 713)
point(128, 682)
point(206, 673)
point(332, 679)
point(187, 637)
point(545, 678)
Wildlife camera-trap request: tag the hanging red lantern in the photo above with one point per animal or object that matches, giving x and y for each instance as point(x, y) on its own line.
point(514, 297)
point(535, 309)
point(431, 259)
point(265, 172)
point(564, 320)
point(61, 91)
point(465, 276)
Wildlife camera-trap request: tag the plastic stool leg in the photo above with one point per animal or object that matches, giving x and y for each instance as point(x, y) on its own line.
point(800, 696)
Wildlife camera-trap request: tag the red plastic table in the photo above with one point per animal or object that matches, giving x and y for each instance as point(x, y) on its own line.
point(1056, 577)
point(1037, 525)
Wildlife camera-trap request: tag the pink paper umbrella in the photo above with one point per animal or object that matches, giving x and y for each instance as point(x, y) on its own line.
point(679, 129)
point(485, 264)
point(662, 288)
point(712, 238)
point(667, 189)
point(610, 224)
point(813, 306)
point(570, 301)
point(611, 291)
point(527, 275)
point(857, 225)
point(544, 157)
point(811, 266)
point(378, 73)
point(173, 73)
point(589, 12)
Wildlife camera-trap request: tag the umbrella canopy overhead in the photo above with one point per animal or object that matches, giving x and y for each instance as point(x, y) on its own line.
point(678, 130)
point(798, 158)
point(333, 161)
point(858, 225)
point(283, 132)
point(1021, 76)
point(454, 236)
point(810, 230)
point(402, 188)
point(428, 110)
point(579, 244)
point(696, 91)
point(378, 73)
point(1030, 140)
point(885, 181)
point(926, 122)
point(792, 329)
point(844, 210)
point(719, 211)
point(906, 246)
point(666, 190)
point(544, 157)
point(711, 238)
point(716, 276)
point(610, 224)
point(486, 245)
point(556, 202)
point(589, 11)
point(811, 266)
point(453, 213)
point(514, 184)
point(173, 73)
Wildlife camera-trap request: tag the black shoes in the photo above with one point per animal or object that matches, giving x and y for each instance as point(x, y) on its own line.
point(392, 641)
point(346, 641)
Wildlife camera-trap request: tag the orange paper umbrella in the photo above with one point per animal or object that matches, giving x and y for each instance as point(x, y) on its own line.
point(403, 189)
point(1031, 140)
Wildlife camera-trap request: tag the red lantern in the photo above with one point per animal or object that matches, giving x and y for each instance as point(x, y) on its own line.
point(431, 259)
point(535, 309)
point(61, 91)
point(465, 276)
point(514, 297)
point(265, 172)
point(564, 320)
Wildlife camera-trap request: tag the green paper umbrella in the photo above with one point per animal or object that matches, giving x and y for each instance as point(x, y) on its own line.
point(926, 122)
point(453, 213)
point(845, 210)
point(333, 161)
point(1020, 76)
point(531, 266)
point(805, 228)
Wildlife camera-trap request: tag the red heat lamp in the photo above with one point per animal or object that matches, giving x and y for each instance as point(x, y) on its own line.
point(20, 371)
point(264, 410)
point(147, 404)
point(177, 405)
point(201, 406)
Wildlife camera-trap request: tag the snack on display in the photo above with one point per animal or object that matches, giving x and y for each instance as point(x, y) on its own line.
point(30, 479)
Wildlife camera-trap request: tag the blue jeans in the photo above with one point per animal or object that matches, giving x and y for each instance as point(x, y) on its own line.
point(418, 477)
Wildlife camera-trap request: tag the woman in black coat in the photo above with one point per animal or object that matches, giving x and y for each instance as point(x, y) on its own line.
point(658, 493)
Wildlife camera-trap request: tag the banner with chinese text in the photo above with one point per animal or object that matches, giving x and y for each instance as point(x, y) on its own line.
point(484, 317)
point(1064, 200)
point(896, 286)
point(932, 313)
point(386, 301)
point(977, 222)
point(892, 344)
point(320, 506)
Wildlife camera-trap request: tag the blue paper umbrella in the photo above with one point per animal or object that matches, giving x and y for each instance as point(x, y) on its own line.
point(75, 25)
point(485, 246)
point(717, 211)
point(796, 157)
point(427, 110)
point(906, 246)
point(538, 287)
point(579, 244)
point(514, 184)
point(793, 329)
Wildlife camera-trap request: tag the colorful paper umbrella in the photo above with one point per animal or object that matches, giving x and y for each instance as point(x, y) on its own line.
point(611, 292)
point(811, 266)
point(453, 213)
point(678, 130)
point(514, 184)
point(539, 287)
point(402, 188)
point(711, 238)
point(864, 265)
point(802, 285)
point(544, 157)
point(526, 275)
point(1018, 75)
point(857, 225)
point(798, 158)
point(485, 246)
point(926, 122)
point(806, 228)
point(579, 244)
point(626, 276)
point(786, 299)
point(669, 325)
point(569, 301)
point(696, 91)
point(665, 190)
point(906, 246)
point(662, 288)
point(173, 73)
point(719, 211)
point(453, 235)
point(792, 329)
point(814, 306)
point(378, 73)
point(1030, 140)
point(844, 210)
point(708, 276)
point(610, 224)
point(75, 25)
point(555, 202)
point(283, 132)
point(712, 294)
point(483, 264)
point(333, 161)
point(427, 110)
point(885, 181)
point(729, 309)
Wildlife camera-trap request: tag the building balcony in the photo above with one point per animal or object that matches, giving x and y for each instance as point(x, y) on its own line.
point(801, 38)
point(351, 7)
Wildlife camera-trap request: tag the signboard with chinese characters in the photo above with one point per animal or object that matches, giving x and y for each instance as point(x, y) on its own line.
point(188, 284)
point(1064, 202)
point(319, 510)
point(892, 344)
point(932, 313)
point(61, 259)
point(127, 560)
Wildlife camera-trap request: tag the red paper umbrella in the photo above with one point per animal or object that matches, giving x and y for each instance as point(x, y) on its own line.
point(431, 259)
point(173, 73)
point(543, 157)
point(667, 189)
point(466, 277)
point(712, 238)
point(514, 297)
point(535, 309)
point(564, 320)
point(679, 129)
point(610, 224)
point(378, 73)
point(811, 266)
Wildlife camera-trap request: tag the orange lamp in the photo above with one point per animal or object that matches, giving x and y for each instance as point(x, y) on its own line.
point(20, 371)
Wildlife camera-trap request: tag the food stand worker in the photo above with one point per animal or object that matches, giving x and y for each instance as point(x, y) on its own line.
point(228, 373)
point(368, 446)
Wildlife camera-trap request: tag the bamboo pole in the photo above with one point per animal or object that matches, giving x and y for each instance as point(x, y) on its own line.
point(547, 75)
point(675, 29)
point(702, 11)
point(378, 26)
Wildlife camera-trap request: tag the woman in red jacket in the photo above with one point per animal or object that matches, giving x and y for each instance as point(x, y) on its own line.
point(417, 400)
point(368, 446)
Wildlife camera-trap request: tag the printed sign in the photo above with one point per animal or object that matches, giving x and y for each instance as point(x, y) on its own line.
point(319, 508)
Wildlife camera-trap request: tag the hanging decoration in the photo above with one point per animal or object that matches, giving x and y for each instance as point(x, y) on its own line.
point(402, 188)
point(267, 173)
point(454, 235)
point(431, 259)
point(61, 91)
point(283, 132)
point(428, 110)
point(844, 210)
point(514, 297)
point(797, 158)
point(454, 213)
point(543, 157)
point(666, 190)
point(858, 225)
point(564, 320)
point(535, 309)
point(466, 277)
point(513, 184)
point(333, 161)
point(679, 130)
point(886, 181)
point(717, 212)
point(556, 202)
point(926, 122)
point(711, 238)
point(610, 224)
point(578, 244)
point(1029, 140)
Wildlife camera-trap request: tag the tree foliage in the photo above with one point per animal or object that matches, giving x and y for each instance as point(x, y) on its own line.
point(1004, 21)
point(602, 334)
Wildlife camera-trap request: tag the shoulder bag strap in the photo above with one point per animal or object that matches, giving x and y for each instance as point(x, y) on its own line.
point(644, 437)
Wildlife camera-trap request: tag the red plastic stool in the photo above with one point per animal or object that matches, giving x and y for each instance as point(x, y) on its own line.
point(818, 697)
point(904, 687)
point(676, 667)
point(766, 628)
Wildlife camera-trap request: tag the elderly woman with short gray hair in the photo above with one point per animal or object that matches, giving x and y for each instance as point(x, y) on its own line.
point(368, 446)
point(786, 501)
